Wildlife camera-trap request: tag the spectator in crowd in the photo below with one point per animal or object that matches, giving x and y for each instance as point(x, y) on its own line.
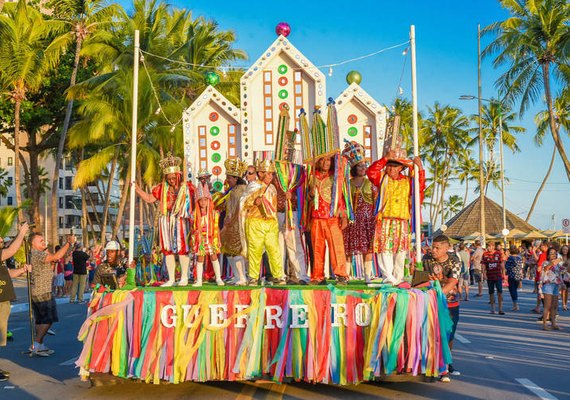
point(43, 302)
point(80, 259)
point(476, 259)
point(540, 257)
point(514, 269)
point(464, 257)
point(67, 274)
point(59, 280)
point(446, 268)
point(566, 275)
point(549, 288)
point(493, 271)
point(7, 292)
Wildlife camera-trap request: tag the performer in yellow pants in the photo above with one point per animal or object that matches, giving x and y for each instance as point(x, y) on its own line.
point(259, 211)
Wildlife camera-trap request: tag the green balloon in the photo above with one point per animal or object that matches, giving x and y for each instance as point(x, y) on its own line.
point(212, 78)
point(353, 76)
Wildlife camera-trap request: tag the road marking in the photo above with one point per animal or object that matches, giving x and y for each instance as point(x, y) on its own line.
point(462, 338)
point(74, 315)
point(9, 387)
point(533, 387)
point(71, 361)
point(247, 392)
point(21, 328)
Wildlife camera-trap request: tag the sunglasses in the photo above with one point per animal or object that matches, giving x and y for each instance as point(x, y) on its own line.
point(251, 173)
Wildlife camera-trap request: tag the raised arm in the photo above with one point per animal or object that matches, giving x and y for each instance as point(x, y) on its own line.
point(148, 197)
point(71, 239)
point(16, 243)
point(374, 172)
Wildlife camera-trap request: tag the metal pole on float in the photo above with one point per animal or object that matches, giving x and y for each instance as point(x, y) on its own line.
point(134, 146)
point(417, 208)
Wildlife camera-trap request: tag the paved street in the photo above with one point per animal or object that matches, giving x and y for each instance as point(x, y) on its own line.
point(500, 357)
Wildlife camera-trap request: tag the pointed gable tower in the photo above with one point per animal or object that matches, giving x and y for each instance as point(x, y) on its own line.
point(362, 119)
point(282, 75)
point(212, 132)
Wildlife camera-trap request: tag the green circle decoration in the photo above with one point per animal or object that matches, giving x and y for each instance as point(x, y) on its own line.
point(283, 94)
point(282, 69)
point(216, 157)
point(214, 130)
point(352, 131)
point(218, 186)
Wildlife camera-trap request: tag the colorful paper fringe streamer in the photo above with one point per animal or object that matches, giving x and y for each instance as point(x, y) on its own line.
point(289, 176)
point(406, 332)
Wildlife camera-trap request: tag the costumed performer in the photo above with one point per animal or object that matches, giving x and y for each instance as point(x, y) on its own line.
point(230, 233)
point(259, 212)
point(394, 210)
point(204, 178)
point(359, 234)
point(176, 203)
point(206, 234)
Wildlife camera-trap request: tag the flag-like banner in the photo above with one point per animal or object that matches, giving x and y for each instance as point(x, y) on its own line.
point(323, 335)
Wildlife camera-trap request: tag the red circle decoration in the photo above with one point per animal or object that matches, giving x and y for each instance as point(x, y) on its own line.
point(283, 81)
point(214, 116)
point(282, 105)
point(217, 170)
point(215, 145)
point(352, 119)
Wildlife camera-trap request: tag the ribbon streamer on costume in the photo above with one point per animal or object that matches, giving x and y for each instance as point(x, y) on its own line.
point(289, 177)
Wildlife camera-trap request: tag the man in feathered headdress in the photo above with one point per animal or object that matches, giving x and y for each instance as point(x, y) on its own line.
point(394, 210)
point(176, 199)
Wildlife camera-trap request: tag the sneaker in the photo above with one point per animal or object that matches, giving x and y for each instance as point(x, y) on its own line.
point(5, 373)
point(341, 280)
point(281, 281)
point(51, 332)
point(3, 377)
point(452, 370)
point(445, 378)
point(252, 282)
point(323, 283)
point(41, 352)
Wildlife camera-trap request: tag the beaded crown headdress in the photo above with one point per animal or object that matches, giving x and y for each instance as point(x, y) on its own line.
point(354, 152)
point(235, 167)
point(264, 166)
point(170, 164)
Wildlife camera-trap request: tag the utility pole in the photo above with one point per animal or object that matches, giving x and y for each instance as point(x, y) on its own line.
point(481, 139)
point(417, 209)
point(134, 135)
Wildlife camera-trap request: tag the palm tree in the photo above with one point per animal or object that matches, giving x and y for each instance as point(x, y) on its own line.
point(467, 168)
point(82, 18)
point(491, 115)
point(25, 37)
point(452, 206)
point(562, 115)
point(533, 43)
point(444, 133)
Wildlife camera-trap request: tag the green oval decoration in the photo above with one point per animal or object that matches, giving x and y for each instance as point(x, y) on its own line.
point(352, 131)
point(214, 130)
point(283, 94)
point(282, 69)
point(218, 186)
point(216, 157)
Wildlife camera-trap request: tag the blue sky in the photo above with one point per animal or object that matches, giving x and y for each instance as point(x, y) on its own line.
point(446, 36)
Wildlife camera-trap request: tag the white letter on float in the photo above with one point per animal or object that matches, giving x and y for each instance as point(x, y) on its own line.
point(299, 316)
point(337, 315)
point(189, 322)
point(270, 317)
point(164, 316)
point(241, 321)
point(218, 314)
point(362, 314)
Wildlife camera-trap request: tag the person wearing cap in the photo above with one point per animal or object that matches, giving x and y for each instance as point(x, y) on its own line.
point(176, 199)
point(259, 207)
point(203, 177)
point(113, 265)
point(358, 235)
point(394, 210)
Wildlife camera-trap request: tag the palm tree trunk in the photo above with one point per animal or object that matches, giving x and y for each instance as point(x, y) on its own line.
point(466, 192)
point(61, 145)
point(17, 183)
point(108, 196)
point(537, 195)
point(552, 118)
point(122, 204)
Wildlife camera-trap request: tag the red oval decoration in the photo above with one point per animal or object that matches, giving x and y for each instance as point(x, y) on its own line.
point(352, 119)
point(281, 106)
point(215, 145)
point(216, 171)
point(214, 116)
point(283, 81)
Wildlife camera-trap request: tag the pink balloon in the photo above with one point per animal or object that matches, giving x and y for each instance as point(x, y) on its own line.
point(283, 28)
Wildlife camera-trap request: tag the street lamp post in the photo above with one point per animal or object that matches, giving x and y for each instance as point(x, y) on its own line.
point(505, 231)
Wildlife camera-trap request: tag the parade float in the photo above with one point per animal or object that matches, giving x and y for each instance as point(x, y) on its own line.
point(318, 334)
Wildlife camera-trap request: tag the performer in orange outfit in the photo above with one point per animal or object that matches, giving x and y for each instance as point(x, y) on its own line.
point(394, 211)
point(326, 229)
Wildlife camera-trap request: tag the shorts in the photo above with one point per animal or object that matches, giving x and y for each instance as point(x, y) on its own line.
point(59, 279)
point(454, 314)
point(68, 277)
point(551, 288)
point(464, 281)
point(45, 311)
point(492, 284)
point(4, 315)
point(477, 276)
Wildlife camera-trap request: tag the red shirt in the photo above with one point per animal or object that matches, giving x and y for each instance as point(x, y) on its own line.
point(492, 260)
point(541, 260)
point(321, 189)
